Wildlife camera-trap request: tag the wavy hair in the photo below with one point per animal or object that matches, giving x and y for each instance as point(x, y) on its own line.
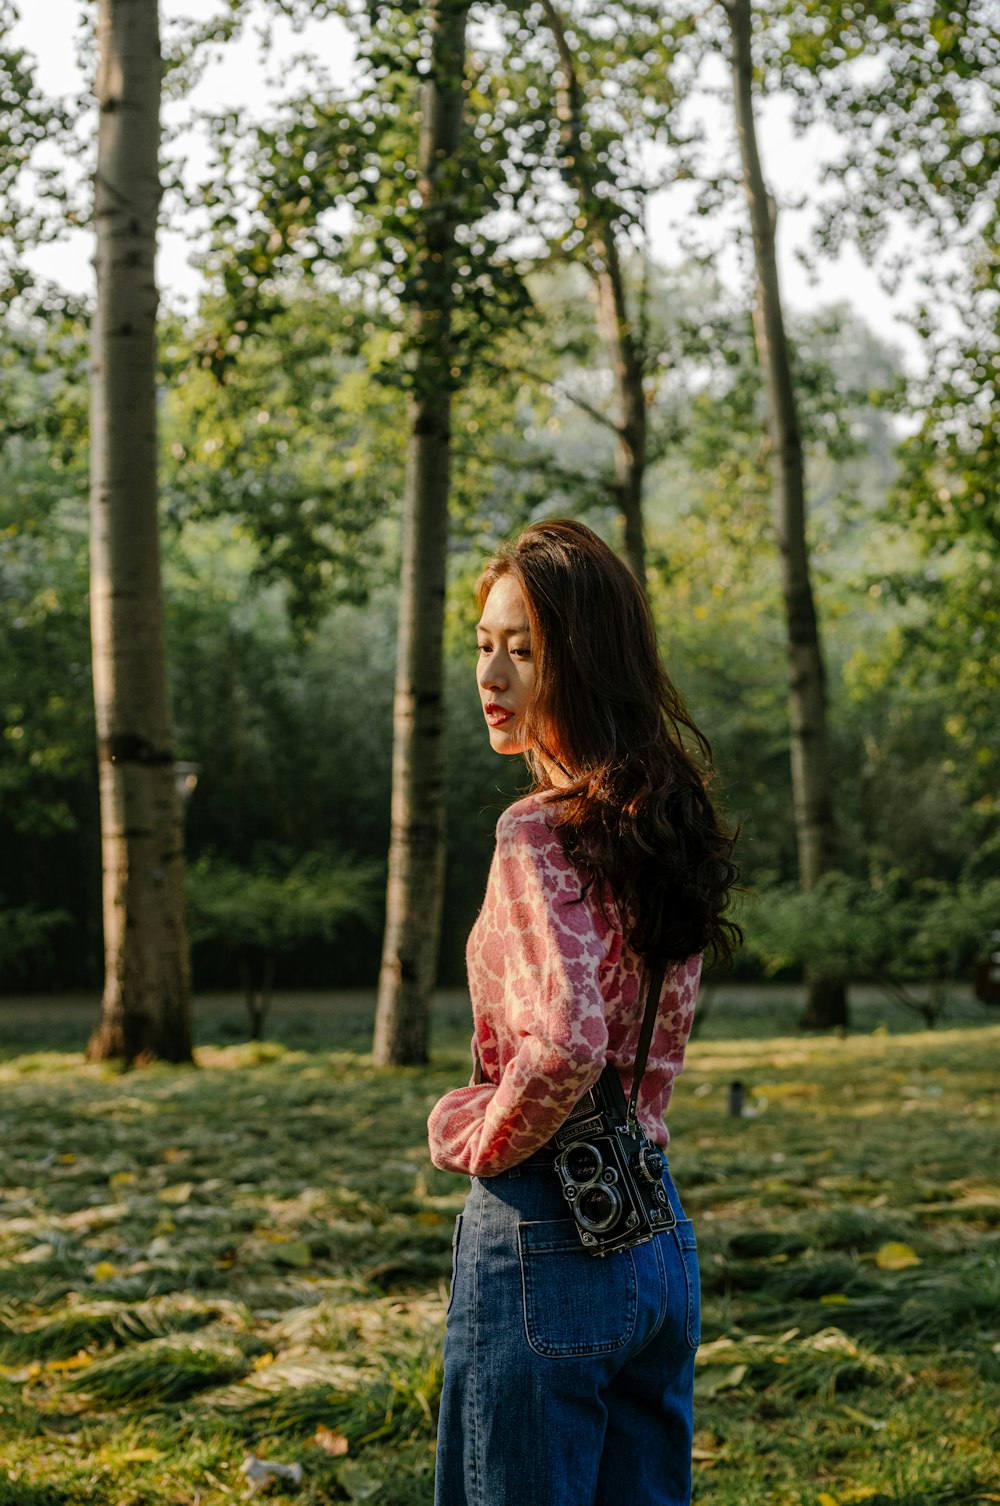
point(635, 812)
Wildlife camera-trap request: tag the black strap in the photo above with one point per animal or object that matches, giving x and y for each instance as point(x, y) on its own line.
point(654, 988)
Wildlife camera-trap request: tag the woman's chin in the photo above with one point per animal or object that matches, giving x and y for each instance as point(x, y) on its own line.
point(502, 741)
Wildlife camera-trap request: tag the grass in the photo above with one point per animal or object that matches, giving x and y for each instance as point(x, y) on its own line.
point(253, 1257)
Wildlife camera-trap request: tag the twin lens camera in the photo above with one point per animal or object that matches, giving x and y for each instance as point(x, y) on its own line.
point(610, 1172)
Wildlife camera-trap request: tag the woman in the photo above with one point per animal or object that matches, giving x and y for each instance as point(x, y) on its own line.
point(568, 1378)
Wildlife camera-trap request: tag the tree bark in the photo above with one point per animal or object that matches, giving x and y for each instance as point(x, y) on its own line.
point(416, 854)
point(146, 1009)
point(811, 792)
point(614, 321)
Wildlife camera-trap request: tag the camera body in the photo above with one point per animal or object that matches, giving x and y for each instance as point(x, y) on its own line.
point(610, 1172)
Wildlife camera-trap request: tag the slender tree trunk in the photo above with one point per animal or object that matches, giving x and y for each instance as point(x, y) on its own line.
point(811, 791)
point(146, 1008)
point(630, 450)
point(416, 854)
point(614, 321)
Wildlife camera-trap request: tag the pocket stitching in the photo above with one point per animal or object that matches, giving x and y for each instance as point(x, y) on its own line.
point(559, 1245)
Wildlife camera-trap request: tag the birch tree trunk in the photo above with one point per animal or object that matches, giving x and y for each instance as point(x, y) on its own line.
point(416, 854)
point(614, 322)
point(146, 1010)
point(811, 792)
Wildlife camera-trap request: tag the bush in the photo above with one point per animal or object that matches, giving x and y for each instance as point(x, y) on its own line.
point(271, 909)
point(912, 941)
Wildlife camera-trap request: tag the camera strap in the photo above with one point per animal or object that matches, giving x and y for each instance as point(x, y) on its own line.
point(654, 988)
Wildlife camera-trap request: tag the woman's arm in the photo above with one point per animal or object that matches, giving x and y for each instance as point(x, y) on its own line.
point(544, 950)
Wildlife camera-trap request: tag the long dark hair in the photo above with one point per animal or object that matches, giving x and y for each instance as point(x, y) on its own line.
point(635, 813)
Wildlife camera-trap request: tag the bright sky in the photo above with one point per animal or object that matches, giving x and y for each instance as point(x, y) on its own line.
point(241, 80)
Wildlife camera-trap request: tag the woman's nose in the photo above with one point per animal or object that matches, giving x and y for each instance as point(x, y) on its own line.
point(491, 674)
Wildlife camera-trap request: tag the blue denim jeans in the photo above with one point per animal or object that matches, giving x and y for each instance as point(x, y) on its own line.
point(567, 1377)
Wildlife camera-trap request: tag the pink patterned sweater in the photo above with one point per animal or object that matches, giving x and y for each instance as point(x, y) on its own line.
point(555, 994)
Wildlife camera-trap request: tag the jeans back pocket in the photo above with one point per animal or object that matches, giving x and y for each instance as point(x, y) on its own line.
point(575, 1303)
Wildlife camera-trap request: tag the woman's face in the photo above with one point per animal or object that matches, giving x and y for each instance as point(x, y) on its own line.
point(505, 669)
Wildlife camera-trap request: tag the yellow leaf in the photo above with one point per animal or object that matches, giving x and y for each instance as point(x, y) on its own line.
point(858, 1493)
point(895, 1256)
point(104, 1270)
point(263, 1360)
point(179, 1193)
point(122, 1179)
point(825, 1499)
point(330, 1442)
point(116, 1456)
point(428, 1216)
point(834, 1299)
point(77, 1362)
point(67, 1160)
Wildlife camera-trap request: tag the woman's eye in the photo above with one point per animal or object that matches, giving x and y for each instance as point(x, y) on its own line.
point(521, 653)
point(482, 648)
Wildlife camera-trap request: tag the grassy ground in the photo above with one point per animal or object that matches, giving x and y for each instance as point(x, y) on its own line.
point(253, 1256)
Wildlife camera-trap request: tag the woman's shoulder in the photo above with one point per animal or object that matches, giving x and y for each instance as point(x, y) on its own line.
point(528, 820)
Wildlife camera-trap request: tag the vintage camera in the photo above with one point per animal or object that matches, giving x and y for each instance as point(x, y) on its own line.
point(611, 1173)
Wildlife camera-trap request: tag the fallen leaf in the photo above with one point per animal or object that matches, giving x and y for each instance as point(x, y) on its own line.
point(825, 1499)
point(330, 1442)
point(895, 1256)
point(104, 1270)
point(180, 1192)
point(712, 1379)
point(358, 1483)
point(293, 1252)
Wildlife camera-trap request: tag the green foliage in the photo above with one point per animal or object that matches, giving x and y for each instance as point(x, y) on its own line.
point(300, 449)
point(927, 936)
point(26, 934)
point(34, 199)
point(276, 906)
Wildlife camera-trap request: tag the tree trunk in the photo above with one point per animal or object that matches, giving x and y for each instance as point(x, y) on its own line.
point(416, 853)
point(813, 804)
point(630, 450)
point(258, 996)
point(614, 322)
point(146, 1009)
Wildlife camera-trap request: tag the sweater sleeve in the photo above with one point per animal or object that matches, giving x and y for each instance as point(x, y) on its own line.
point(545, 953)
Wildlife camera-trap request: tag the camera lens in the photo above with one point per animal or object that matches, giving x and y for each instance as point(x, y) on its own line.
point(582, 1162)
point(651, 1163)
point(598, 1207)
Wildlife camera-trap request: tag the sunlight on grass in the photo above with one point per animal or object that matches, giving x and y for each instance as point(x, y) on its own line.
point(254, 1256)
